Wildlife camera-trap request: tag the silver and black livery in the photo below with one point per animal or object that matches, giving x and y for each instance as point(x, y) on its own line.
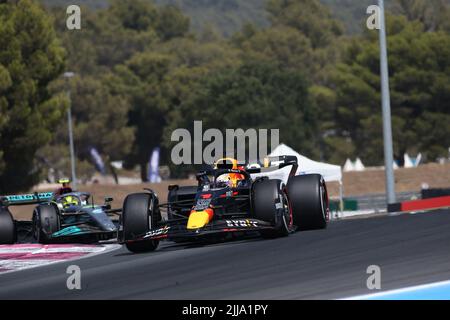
point(59, 218)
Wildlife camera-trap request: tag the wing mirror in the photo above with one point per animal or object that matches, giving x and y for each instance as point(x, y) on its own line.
point(108, 201)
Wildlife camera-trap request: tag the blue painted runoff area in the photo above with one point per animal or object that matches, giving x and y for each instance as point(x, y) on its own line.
point(431, 291)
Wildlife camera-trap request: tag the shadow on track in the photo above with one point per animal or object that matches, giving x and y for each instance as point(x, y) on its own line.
point(219, 242)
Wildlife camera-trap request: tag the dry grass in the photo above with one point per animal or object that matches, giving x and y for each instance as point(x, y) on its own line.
point(355, 183)
point(410, 179)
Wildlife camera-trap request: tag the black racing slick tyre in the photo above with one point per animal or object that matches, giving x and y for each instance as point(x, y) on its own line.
point(138, 217)
point(270, 204)
point(46, 221)
point(7, 227)
point(309, 201)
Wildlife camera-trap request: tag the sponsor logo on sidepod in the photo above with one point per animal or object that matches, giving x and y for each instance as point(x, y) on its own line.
point(241, 223)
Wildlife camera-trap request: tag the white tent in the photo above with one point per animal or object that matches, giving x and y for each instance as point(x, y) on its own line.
point(349, 166)
point(359, 165)
point(329, 172)
point(394, 165)
point(354, 166)
point(411, 162)
point(408, 161)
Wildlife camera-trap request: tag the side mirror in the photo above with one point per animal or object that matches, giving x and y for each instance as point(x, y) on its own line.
point(108, 199)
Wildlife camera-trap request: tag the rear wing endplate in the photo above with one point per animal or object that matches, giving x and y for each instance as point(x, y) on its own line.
point(25, 199)
point(275, 163)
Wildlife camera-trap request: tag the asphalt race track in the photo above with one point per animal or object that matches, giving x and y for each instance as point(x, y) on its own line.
point(411, 249)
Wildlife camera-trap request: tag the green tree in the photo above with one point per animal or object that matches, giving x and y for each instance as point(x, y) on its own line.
point(111, 106)
point(304, 36)
point(142, 77)
point(171, 23)
point(99, 119)
point(419, 82)
point(157, 82)
point(282, 45)
point(253, 95)
point(107, 37)
point(310, 17)
point(30, 58)
point(138, 15)
point(433, 14)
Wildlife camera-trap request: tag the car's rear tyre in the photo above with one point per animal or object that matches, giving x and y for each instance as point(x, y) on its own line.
point(270, 204)
point(139, 215)
point(46, 221)
point(7, 227)
point(309, 201)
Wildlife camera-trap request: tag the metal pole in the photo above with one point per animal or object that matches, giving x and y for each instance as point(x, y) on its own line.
point(69, 122)
point(386, 105)
point(72, 150)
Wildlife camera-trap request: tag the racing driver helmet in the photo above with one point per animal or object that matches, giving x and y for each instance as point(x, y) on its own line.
point(230, 179)
point(68, 201)
point(65, 187)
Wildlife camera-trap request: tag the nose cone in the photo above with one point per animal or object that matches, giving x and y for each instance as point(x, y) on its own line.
point(199, 219)
point(111, 227)
point(103, 221)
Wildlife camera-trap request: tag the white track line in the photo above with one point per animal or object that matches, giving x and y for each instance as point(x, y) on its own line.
point(24, 264)
point(400, 291)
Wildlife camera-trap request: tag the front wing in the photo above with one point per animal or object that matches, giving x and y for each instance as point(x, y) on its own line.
point(81, 234)
point(178, 231)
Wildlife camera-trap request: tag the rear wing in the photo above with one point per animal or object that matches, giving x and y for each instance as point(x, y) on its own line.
point(274, 163)
point(26, 199)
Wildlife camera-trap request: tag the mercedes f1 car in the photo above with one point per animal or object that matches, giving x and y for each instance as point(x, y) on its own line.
point(60, 218)
point(227, 200)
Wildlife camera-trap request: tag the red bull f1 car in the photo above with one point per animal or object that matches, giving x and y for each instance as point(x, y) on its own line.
point(227, 200)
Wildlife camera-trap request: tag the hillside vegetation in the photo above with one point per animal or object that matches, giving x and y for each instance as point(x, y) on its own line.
point(140, 73)
point(228, 16)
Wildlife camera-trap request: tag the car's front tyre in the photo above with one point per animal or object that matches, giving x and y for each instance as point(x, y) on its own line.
point(139, 215)
point(7, 227)
point(270, 204)
point(46, 221)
